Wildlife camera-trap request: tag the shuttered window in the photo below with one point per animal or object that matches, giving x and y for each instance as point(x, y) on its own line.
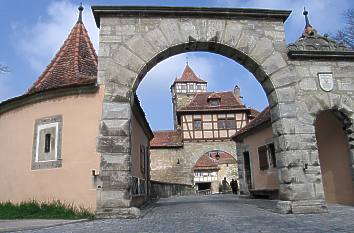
point(271, 152)
point(263, 158)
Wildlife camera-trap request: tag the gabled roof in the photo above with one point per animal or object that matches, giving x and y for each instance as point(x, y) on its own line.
point(74, 64)
point(212, 159)
point(188, 76)
point(166, 138)
point(200, 102)
point(205, 162)
point(260, 119)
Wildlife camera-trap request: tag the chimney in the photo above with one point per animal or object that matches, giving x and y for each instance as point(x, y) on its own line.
point(237, 92)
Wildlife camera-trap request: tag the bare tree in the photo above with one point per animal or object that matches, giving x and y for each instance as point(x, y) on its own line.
point(4, 69)
point(346, 35)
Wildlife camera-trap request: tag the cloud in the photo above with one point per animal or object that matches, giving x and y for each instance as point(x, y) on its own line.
point(39, 42)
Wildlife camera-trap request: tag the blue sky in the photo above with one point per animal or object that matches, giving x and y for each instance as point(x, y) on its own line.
point(32, 32)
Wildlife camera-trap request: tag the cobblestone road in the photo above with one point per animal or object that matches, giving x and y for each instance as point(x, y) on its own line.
point(219, 213)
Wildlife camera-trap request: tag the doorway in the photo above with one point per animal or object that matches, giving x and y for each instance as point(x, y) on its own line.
point(334, 156)
point(247, 165)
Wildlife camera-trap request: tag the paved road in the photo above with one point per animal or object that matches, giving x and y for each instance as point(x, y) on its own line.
point(219, 213)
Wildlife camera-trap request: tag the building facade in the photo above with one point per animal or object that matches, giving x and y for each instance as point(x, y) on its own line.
point(48, 135)
point(204, 123)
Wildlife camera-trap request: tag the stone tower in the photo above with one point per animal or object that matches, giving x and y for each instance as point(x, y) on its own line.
point(184, 89)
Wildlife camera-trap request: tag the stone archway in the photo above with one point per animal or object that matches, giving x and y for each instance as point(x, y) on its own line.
point(334, 156)
point(134, 39)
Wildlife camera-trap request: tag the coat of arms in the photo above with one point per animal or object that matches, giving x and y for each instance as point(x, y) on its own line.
point(326, 81)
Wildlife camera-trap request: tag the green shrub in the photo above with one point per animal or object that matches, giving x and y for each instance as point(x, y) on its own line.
point(43, 210)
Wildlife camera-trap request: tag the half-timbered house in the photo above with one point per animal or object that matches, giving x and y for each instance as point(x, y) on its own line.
point(204, 122)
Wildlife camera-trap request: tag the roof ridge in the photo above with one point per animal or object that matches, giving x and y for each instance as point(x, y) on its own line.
point(165, 130)
point(74, 63)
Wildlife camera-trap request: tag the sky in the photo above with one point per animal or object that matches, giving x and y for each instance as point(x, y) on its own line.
point(31, 32)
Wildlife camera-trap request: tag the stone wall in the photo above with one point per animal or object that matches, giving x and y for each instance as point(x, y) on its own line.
point(164, 189)
point(134, 39)
point(164, 165)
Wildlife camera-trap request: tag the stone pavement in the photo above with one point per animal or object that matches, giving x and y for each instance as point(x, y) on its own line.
point(218, 213)
point(29, 224)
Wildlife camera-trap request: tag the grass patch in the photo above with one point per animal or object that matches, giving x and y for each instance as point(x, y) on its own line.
point(43, 210)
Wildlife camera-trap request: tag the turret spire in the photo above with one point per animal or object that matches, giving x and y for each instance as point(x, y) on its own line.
point(81, 8)
point(306, 18)
point(308, 27)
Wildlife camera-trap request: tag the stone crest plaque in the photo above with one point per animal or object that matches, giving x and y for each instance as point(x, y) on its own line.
point(326, 81)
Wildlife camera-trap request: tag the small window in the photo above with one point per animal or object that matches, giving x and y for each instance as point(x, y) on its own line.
point(46, 152)
point(197, 124)
point(230, 123)
point(214, 102)
point(47, 143)
point(221, 123)
point(263, 158)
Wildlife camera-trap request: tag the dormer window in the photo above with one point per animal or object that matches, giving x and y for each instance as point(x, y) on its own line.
point(214, 102)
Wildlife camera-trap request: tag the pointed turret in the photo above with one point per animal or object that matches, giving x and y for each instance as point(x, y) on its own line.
point(188, 76)
point(74, 64)
point(184, 88)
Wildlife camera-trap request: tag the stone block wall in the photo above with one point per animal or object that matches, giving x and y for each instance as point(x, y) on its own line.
point(164, 165)
point(133, 40)
point(165, 189)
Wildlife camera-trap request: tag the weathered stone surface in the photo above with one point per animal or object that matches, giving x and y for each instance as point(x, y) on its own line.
point(232, 33)
point(156, 38)
point(170, 30)
point(141, 48)
point(291, 126)
point(113, 144)
point(127, 59)
point(116, 110)
point(115, 162)
point(115, 127)
point(274, 63)
point(284, 77)
point(112, 200)
point(283, 110)
point(116, 213)
point(296, 142)
point(262, 50)
point(308, 84)
point(115, 179)
point(310, 206)
point(127, 43)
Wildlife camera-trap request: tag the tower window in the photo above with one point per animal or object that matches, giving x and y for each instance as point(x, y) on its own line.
point(47, 143)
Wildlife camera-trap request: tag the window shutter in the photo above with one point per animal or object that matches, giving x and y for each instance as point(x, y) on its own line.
point(263, 158)
point(271, 149)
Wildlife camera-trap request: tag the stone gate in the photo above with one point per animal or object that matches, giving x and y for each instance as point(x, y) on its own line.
point(134, 39)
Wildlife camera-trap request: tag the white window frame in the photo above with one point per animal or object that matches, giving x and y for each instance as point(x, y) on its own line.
point(39, 129)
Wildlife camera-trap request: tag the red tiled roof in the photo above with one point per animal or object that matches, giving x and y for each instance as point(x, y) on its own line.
point(205, 162)
point(200, 102)
point(74, 64)
point(214, 95)
point(210, 160)
point(189, 76)
point(166, 138)
point(254, 113)
point(261, 118)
